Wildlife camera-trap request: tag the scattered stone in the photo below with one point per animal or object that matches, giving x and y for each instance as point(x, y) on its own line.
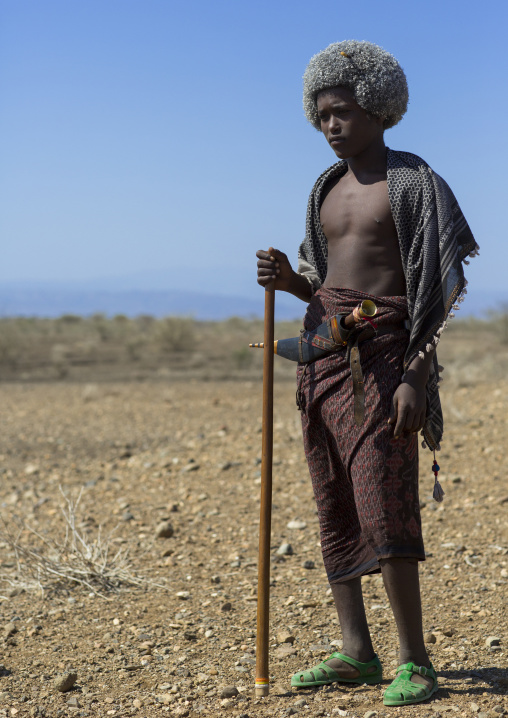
point(73, 702)
point(429, 637)
point(285, 650)
point(190, 467)
point(9, 630)
point(137, 703)
point(492, 641)
point(309, 564)
point(226, 606)
point(229, 692)
point(183, 595)
point(297, 524)
point(285, 637)
point(448, 632)
point(474, 707)
point(165, 698)
point(300, 703)
point(65, 681)
point(370, 714)
point(285, 549)
point(215, 579)
point(189, 635)
point(31, 469)
point(164, 530)
point(208, 633)
point(127, 516)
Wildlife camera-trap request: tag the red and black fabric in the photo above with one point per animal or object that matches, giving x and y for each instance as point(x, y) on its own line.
point(365, 482)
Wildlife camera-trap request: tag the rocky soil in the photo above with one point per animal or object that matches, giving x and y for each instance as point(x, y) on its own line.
point(171, 474)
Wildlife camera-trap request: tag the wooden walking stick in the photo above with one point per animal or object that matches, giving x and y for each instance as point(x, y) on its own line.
point(265, 517)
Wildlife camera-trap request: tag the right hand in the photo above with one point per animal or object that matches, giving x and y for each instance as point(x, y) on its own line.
point(274, 265)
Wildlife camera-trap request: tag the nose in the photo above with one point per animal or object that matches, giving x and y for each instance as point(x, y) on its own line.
point(334, 124)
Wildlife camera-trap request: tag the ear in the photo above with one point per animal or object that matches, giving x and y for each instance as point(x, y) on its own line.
point(378, 120)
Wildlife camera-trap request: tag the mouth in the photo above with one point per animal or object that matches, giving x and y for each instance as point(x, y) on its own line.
point(336, 140)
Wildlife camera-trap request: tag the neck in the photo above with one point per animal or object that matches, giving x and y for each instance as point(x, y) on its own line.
point(372, 161)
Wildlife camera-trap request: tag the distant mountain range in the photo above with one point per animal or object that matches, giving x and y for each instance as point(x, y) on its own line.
point(53, 300)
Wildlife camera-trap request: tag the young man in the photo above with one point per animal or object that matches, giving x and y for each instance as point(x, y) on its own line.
point(381, 225)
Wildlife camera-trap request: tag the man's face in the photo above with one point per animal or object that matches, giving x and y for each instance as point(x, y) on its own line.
point(348, 128)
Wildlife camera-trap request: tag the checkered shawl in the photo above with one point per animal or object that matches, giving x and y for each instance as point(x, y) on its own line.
point(434, 240)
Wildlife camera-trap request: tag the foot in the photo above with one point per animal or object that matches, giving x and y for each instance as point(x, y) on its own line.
point(406, 689)
point(418, 660)
point(349, 671)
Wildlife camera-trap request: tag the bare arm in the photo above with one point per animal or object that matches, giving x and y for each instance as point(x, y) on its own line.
point(275, 265)
point(410, 398)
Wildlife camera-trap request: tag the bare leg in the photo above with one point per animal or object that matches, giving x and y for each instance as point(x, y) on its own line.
point(356, 638)
point(400, 577)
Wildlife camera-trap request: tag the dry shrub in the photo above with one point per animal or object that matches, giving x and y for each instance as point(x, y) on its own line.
point(12, 343)
point(51, 563)
point(175, 334)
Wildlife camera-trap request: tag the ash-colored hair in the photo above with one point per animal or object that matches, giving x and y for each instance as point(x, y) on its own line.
point(373, 75)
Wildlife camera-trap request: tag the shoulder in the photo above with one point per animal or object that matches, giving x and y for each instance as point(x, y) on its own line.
point(397, 159)
point(337, 169)
point(406, 168)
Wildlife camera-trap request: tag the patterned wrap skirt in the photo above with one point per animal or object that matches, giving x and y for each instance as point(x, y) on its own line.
point(365, 481)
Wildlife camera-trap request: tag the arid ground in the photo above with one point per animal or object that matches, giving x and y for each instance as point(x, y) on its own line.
point(95, 468)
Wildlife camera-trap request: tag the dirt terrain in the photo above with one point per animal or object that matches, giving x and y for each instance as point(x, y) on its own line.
point(175, 631)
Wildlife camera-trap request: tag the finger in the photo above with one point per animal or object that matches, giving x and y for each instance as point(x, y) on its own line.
point(270, 270)
point(415, 423)
point(263, 281)
point(401, 422)
point(411, 421)
point(421, 421)
point(262, 264)
point(277, 254)
point(393, 412)
point(261, 254)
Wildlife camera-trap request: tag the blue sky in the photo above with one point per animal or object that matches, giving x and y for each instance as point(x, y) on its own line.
point(164, 142)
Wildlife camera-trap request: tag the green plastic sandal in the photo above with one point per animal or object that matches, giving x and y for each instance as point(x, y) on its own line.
point(323, 675)
point(403, 691)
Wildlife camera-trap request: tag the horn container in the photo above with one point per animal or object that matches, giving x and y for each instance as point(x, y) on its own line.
point(328, 337)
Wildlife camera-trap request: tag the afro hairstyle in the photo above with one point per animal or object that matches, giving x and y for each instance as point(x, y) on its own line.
point(375, 78)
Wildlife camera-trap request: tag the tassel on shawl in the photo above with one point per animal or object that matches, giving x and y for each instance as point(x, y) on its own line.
point(438, 493)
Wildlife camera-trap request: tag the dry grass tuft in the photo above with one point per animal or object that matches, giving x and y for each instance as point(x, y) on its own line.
point(49, 564)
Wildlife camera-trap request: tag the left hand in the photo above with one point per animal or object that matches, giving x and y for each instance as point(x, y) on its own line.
point(409, 406)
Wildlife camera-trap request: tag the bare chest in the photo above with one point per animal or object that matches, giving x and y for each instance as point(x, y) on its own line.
point(359, 209)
